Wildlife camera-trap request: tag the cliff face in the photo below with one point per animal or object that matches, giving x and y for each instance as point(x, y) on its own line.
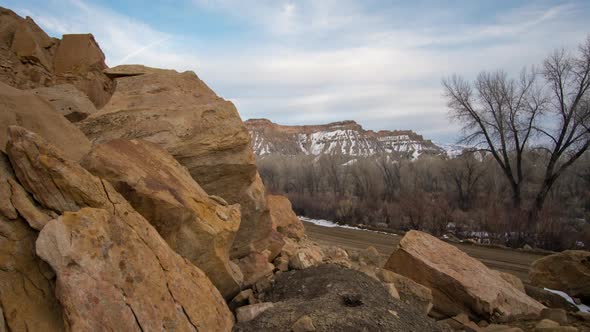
point(345, 137)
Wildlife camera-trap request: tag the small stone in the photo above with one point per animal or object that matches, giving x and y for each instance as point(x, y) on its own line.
point(392, 290)
point(556, 315)
point(303, 324)
point(546, 323)
point(241, 299)
point(249, 312)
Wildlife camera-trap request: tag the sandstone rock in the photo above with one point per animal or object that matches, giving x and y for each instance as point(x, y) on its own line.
point(249, 312)
point(546, 323)
point(392, 290)
point(305, 258)
point(162, 191)
point(549, 299)
point(274, 244)
point(241, 299)
point(303, 324)
point(568, 271)
point(114, 272)
point(458, 282)
point(370, 256)
point(201, 130)
point(70, 102)
point(513, 280)
point(556, 315)
point(111, 250)
point(282, 263)
point(336, 255)
point(409, 290)
point(500, 328)
point(23, 108)
point(29, 58)
point(556, 329)
point(283, 218)
point(254, 267)
point(461, 322)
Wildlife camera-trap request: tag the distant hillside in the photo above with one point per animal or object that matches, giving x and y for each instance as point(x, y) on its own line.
point(345, 137)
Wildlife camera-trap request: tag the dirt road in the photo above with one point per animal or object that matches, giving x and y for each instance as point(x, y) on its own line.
point(512, 261)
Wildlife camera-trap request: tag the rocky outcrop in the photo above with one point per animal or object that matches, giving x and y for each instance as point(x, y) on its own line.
point(568, 271)
point(197, 227)
point(109, 249)
point(202, 131)
point(27, 301)
point(23, 108)
point(283, 218)
point(458, 282)
point(68, 101)
point(114, 273)
point(29, 58)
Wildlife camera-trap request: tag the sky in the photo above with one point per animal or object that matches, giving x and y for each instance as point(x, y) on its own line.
point(379, 63)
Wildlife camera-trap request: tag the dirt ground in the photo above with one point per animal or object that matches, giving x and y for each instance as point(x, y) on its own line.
point(512, 261)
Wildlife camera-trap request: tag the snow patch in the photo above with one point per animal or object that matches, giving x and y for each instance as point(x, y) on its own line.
point(331, 224)
point(582, 307)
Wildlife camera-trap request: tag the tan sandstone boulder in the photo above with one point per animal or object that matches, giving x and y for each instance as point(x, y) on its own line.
point(23, 108)
point(160, 189)
point(70, 102)
point(201, 130)
point(458, 282)
point(27, 301)
point(283, 218)
point(114, 271)
point(568, 271)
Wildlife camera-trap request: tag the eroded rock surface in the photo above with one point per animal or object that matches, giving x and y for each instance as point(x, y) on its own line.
point(283, 218)
point(160, 189)
point(202, 131)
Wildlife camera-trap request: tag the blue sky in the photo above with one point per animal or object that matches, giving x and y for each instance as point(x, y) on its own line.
point(312, 61)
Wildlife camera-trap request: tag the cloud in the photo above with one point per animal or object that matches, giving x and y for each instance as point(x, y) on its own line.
point(304, 62)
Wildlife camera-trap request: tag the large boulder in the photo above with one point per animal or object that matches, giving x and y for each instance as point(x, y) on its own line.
point(202, 131)
point(25, 109)
point(196, 226)
point(29, 58)
point(284, 220)
point(114, 271)
point(27, 299)
point(459, 283)
point(567, 271)
point(68, 101)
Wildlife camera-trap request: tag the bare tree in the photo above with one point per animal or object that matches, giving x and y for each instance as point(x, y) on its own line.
point(503, 115)
point(465, 173)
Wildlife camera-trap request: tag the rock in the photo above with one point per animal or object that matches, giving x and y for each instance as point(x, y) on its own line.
point(546, 323)
point(409, 290)
point(305, 258)
point(274, 244)
point(556, 329)
point(249, 312)
point(370, 256)
point(392, 290)
point(336, 255)
point(201, 130)
point(254, 267)
point(32, 59)
point(513, 280)
point(527, 247)
point(114, 271)
point(303, 324)
point(143, 284)
point(556, 315)
point(461, 322)
point(320, 292)
point(241, 299)
point(282, 263)
point(500, 328)
point(79, 61)
point(283, 218)
point(458, 282)
point(24, 109)
point(162, 191)
point(567, 271)
point(70, 102)
point(549, 299)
